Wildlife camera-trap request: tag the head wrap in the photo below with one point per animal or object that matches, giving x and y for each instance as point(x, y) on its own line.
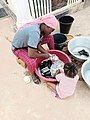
point(50, 20)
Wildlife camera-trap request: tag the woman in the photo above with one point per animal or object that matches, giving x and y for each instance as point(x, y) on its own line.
point(28, 39)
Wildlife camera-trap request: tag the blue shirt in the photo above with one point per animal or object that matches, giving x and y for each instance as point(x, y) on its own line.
point(28, 36)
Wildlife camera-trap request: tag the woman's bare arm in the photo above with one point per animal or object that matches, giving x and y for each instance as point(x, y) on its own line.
point(33, 53)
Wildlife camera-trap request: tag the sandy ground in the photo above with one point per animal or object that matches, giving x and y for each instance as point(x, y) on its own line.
point(21, 101)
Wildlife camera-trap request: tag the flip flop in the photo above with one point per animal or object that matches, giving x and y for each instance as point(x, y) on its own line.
point(36, 79)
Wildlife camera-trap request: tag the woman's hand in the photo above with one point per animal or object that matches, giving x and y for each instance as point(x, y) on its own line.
point(46, 55)
point(41, 49)
point(33, 53)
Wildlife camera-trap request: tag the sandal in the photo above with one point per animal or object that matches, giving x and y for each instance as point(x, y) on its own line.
point(36, 79)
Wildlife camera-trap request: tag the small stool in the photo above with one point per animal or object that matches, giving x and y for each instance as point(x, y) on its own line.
point(19, 61)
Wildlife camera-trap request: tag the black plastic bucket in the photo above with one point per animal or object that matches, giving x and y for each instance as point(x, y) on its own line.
point(65, 24)
point(59, 41)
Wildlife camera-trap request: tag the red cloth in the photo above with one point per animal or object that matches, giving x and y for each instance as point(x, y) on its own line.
point(31, 62)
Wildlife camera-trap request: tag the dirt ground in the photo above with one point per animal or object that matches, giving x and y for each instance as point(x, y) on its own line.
point(21, 101)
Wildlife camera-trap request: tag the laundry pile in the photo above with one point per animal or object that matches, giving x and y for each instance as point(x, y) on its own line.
point(48, 67)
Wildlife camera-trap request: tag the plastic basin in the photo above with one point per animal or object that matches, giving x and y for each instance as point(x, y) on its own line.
point(59, 40)
point(78, 44)
point(62, 56)
point(85, 72)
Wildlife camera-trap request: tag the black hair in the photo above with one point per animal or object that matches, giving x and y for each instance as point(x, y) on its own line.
point(70, 69)
point(41, 24)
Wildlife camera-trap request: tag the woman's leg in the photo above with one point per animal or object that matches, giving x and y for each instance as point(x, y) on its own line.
point(30, 62)
point(23, 55)
point(49, 40)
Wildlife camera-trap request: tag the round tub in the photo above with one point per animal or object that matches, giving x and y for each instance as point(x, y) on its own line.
point(85, 72)
point(62, 56)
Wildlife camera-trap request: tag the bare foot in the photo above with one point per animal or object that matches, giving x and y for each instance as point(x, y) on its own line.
point(36, 79)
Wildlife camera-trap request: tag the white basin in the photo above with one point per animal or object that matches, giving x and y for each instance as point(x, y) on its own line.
point(85, 72)
point(78, 44)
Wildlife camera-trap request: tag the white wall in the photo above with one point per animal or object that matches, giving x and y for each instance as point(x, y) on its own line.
point(21, 10)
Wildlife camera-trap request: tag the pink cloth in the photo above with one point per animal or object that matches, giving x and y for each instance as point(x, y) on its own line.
point(31, 62)
point(66, 85)
point(23, 55)
point(50, 20)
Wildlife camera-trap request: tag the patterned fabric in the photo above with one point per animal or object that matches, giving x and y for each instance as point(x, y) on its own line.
point(48, 40)
point(23, 55)
point(31, 62)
